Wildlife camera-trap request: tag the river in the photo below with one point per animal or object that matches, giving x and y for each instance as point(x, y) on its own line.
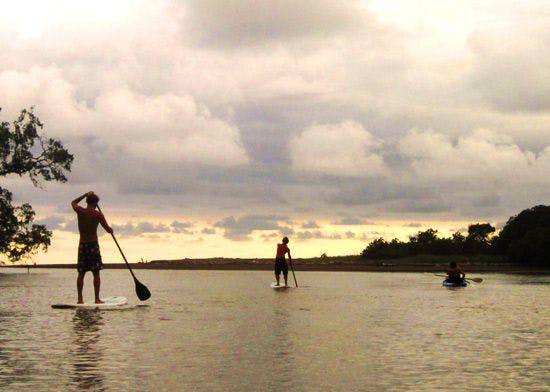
point(229, 331)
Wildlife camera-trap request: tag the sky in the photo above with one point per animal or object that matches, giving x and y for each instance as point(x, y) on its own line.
point(213, 128)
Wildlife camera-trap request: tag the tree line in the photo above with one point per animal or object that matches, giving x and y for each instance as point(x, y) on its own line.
point(525, 239)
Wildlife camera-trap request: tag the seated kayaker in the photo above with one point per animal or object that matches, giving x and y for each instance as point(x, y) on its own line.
point(454, 273)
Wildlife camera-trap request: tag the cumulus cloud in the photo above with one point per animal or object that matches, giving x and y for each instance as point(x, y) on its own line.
point(316, 234)
point(182, 227)
point(350, 220)
point(58, 222)
point(168, 128)
point(239, 229)
point(237, 22)
point(165, 133)
point(481, 155)
point(345, 149)
point(311, 224)
point(139, 228)
point(350, 234)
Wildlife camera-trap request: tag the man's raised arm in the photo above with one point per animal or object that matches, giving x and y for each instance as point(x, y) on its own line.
point(75, 202)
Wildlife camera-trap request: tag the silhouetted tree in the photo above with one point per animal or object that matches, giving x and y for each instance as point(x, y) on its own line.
point(25, 151)
point(478, 240)
point(423, 241)
point(525, 237)
point(458, 241)
point(380, 248)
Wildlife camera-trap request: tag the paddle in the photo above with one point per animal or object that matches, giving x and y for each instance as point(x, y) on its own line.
point(142, 291)
point(292, 269)
point(476, 280)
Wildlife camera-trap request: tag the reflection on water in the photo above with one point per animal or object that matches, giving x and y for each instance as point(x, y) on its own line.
point(86, 353)
point(14, 364)
point(283, 361)
point(228, 331)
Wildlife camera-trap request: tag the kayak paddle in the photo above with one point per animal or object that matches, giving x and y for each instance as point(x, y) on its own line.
point(476, 280)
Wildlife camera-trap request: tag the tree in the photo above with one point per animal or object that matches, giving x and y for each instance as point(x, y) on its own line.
point(477, 240)
point(380, 248)
point(480, 232)
point(423, 241)
point(533, 248)
point(24, 150)
point(525, 237)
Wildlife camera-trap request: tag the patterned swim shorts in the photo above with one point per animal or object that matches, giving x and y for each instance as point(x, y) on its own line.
point(89, 257)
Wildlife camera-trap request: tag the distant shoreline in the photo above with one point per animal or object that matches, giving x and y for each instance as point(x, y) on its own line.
point(342, 264)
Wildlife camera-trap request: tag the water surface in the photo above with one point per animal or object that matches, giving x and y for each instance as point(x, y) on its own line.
point(228, 331)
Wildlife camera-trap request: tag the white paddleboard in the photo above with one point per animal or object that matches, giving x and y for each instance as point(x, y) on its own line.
point(280, 286)
point(108, 303)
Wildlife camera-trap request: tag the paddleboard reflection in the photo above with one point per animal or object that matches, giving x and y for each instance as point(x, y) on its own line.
point(86, 353)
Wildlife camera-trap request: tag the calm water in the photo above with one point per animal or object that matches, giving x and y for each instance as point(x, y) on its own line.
point(228, 331)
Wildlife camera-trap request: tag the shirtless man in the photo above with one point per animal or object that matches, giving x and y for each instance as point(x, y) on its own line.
point(280, 262)
point(89, 257)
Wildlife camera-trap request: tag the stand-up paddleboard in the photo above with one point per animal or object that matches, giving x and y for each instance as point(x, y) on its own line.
point(280, 286)
point(108, 303)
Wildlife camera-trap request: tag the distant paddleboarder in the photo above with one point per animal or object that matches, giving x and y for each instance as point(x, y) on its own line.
point(89, 257)
point(280, 261)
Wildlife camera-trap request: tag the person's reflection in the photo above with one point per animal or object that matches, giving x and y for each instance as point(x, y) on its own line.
point(283, 363)
point(86, 351)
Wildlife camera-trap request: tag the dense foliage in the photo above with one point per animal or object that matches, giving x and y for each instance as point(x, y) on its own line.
point(427, 242)
point(25, 151)
point(524, 239)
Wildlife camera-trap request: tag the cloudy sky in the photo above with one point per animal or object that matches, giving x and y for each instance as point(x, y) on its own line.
point(212, 128)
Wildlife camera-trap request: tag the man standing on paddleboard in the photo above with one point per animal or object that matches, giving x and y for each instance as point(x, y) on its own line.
point(280, 262)
point(89, 257)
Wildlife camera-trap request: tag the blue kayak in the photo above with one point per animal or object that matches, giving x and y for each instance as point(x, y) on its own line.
point(454, 283)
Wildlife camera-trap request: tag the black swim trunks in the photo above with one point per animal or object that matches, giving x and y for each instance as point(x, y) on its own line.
point(281, 266)
point(89, 257)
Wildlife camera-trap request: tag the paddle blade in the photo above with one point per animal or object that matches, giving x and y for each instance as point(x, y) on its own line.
point(142, 291)
point(477, 280)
